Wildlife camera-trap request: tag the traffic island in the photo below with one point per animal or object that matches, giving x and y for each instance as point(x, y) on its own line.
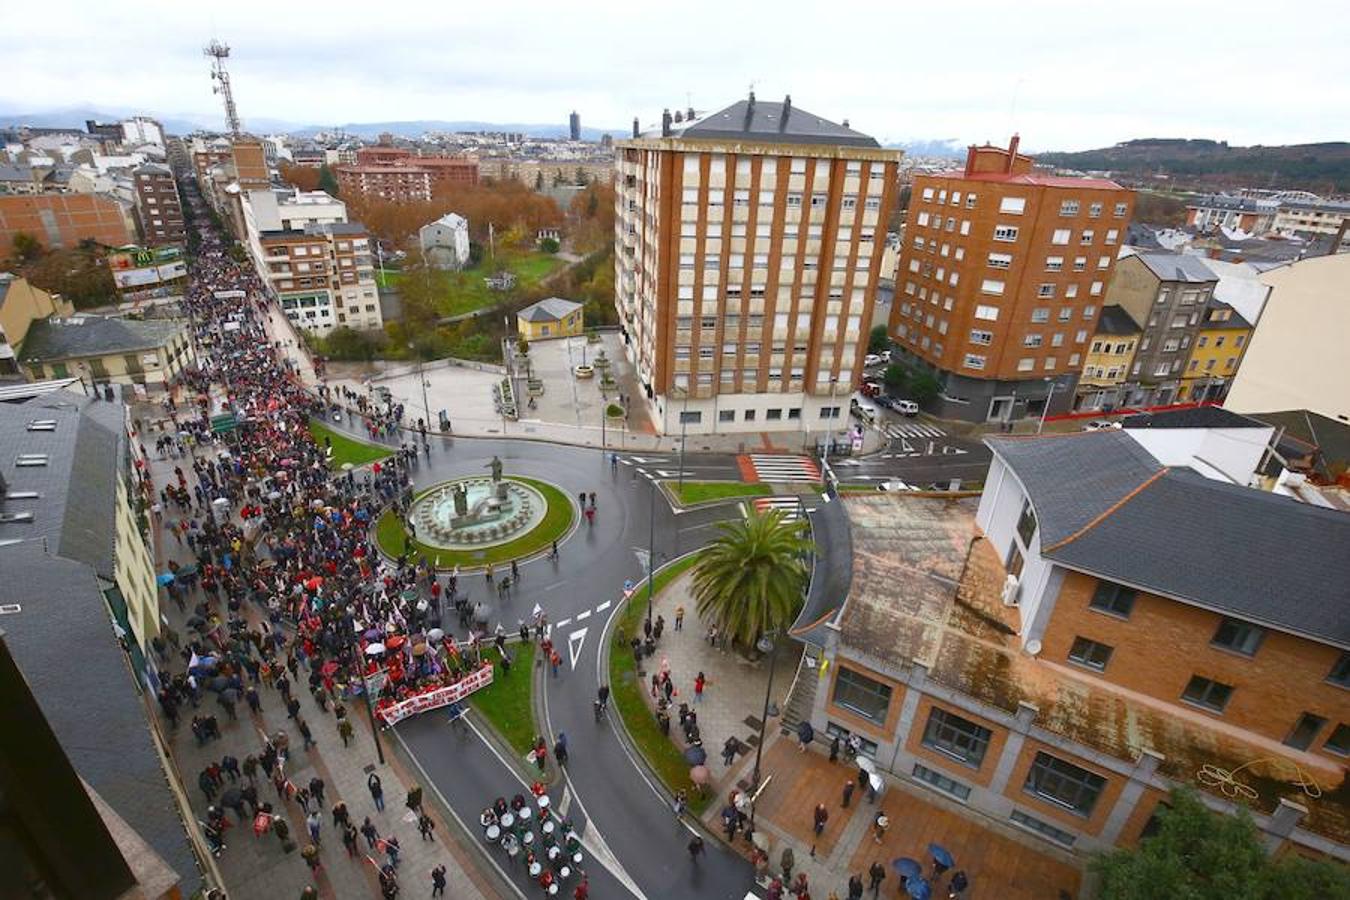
point(345, 451)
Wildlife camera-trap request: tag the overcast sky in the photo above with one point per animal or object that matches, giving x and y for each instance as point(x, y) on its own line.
point(1067, 75)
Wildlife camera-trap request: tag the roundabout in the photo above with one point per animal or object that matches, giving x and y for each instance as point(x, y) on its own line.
point(476, 521)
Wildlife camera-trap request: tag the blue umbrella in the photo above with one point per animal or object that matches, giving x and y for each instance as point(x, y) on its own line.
point(918, 889)
point(166, 578)
point(907, 868)
point(941, 856)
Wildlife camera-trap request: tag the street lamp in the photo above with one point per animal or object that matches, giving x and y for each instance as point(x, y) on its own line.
point(426, 407)
point(684, 423)
point(1046, 408)
point(359, 662)
point(767, 646)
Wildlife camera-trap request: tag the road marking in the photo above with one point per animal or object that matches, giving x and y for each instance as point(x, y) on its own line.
point(564, 622)
point(566, 802)
point(583, 615)
point(575, 641)
point(553, 586)
point(604, 606)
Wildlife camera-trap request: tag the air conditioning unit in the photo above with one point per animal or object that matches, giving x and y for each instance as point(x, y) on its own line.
point(1011, 590)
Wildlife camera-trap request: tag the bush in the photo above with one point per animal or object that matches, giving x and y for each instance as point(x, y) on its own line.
point(614, 411)
point(878, 339)
point(894, 377)
point(549, 245)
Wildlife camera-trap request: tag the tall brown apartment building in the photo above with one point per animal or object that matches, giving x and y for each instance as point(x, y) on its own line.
point(63, 220)
point(158, 205)
point(394, 173)
point(1002, 275)
point(747, 265)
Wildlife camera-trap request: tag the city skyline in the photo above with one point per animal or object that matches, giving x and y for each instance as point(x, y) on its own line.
point(1077, 78)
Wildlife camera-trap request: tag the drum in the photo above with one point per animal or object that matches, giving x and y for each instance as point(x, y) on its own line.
point(564, 872)
point(543, 801)
point(525, 813)
point(527, 838)
point(535, 869)
point(511, 846)
point(548, 828)
point(493, 832)
point(552, 889)
point(576, 858)
point(508, 820)
point(553, 853)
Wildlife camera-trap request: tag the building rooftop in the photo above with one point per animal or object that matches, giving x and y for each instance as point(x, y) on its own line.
point(770, 121)
point(1115, 320)
point(1194, 417)
point(1234, 320)
point(551, 309)
point(1108, 508)
point(84, 336)
point(1035, 179)
point(1326, 437)
point(451, 220)
point(926, 588)
point(1178, 267)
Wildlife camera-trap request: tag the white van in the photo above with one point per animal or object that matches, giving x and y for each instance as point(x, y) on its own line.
point(906, 407)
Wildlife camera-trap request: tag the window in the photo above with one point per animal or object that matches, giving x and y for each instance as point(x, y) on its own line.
point(1040, 314)
point(991, 286)
point(1000, 260)
point(973, 361)
point(1112, 236)
point(1045, 829)
point(1113, 598)
point(1339, 742)
point(1095, 211)
point(1060, 237)
point(1032, 340)
point(1007, 233)
point(774, 415)
point(726, 415)
point(1014, 205)
point(1026, 364)
point(987, 313)
point(1103, 262)
point(1087, 236)
point(1119, 211)
point(970, 201)
point(1054, 264)
point(961, 739)
point(860, 694)
point(983, 338)
point(1340, 672)
point(1212, 695)
point(1305, 731)
point(1090, 653)
point(941, 782)
point(1068, 208)
point(30, 460)
point(1045, 290)
point(749, 415)
point(1238, 636)
point(1064, 784)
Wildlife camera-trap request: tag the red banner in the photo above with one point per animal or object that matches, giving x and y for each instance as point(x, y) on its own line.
point(397, 712)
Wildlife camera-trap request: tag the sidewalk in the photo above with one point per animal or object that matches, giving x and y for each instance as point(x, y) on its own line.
point(257, 867)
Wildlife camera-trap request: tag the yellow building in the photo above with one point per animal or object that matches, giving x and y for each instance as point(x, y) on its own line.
point(551, 318)
point(22, 304)
point(1216, 354)
point(108, 350)
point(1107, 362)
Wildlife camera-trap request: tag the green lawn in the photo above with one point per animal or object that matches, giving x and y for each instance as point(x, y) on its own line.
point(627, 693)
point(464, 291)
point(507, 703)
point(345, 449)
point(389, 533)
point(703, 491)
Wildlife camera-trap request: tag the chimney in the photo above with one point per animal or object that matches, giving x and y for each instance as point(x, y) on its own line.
point(689, 114)
point(636, 129)
point(846, 123)
point(787, 111)
point(1012, 151)
point(665, 123)
point(679, 116)
point(970, 160)
point(750, 111)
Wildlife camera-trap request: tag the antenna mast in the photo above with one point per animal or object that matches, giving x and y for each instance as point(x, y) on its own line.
point(220, 52)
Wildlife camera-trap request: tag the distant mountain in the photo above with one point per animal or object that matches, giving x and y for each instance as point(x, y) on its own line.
point(74, 118)
point(417, 127)
point(1321, 168)
point(945, 148)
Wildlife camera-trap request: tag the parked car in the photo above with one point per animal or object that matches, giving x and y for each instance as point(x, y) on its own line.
point(1101, 425)
point(896, 486)
point(872, 359)
point(885, 401)
point(864, 408)
point(906, 407)
point(871, 389)
point(885, 355)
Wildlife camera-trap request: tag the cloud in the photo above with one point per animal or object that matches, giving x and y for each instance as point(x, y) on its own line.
point(1066, 75)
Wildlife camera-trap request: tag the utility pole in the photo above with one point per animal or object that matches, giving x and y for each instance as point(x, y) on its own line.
point(219, 52)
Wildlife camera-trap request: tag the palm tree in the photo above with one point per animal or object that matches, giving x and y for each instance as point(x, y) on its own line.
point(751, 578)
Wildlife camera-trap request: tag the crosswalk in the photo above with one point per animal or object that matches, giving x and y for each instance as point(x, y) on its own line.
point(790, 507)
point(913, 430)
point(783, 468)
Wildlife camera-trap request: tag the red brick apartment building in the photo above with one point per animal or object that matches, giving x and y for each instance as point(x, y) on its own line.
point(395, 173)
point(63, 220)
point(1002, 275)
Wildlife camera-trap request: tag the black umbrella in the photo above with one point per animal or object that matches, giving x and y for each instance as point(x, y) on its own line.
point(219, 683)
point(695, 756)
point(231, 797)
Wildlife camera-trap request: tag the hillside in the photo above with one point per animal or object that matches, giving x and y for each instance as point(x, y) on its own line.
point(1321, 168)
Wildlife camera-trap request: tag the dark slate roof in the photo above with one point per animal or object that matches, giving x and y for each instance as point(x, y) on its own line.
point(83, 336)
point(550, 309)
point(1178, 267)
point(766, 122)
point(1107, 508)
point(831, 571)
point(1115, 320)
point(1195, 417)
point(1329, 437)
point(1234, 320)
point(62, 639)
point(13, 172)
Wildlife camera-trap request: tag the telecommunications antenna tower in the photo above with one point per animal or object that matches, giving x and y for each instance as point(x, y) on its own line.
point(220, 52)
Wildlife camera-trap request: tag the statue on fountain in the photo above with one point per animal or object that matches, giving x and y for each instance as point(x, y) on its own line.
point(461, 497)
point(499, 488)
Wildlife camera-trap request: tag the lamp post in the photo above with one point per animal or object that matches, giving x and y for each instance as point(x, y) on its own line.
point(651, 549)
point(763, 645)
point(360, 663)
point(684, 423)
point(426, 407)
point(1046, 408)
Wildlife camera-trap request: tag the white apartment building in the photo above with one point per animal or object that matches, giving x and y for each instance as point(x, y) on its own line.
point(749, 249)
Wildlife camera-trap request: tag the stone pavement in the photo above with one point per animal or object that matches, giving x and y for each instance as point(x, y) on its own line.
point(998, 860)
point(257, 867)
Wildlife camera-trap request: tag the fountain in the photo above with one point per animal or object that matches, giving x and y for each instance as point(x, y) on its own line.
point(477, 512)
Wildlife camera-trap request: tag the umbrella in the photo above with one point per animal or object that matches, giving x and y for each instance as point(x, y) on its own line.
point(373, 633)
point(435, 635)
point(875, 781)
point(409, 595)
point(700, 775)
point(219, 683)
point(374, 649)
point(867, 765)
point(907, 868)
point(189, 569)
point(941, 856)
point(347, 467)
point(166, 578)
point(395, 642)
point(695, 756)
point(419, 649)
point(918, 889)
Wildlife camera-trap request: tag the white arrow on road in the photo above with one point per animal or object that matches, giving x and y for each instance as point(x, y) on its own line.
point(574, 642)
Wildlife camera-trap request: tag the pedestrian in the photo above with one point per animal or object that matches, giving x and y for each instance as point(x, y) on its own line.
point(292, 708)
point(208, 786)
point(786, 862)
point(438, 881)
point(349, 839)
point(316, 789)
point(712, 635)
point(371, 833)
point(313, 823)
point(515, 571)
point(695, 848)
point(855, 887)
point(306, 733)
point(392, 848)
point(681, 803)
point(679, 618)
point(699, 684)
point(344, 728)
point(729, 750)
point(799, 887)
point(254, 701)
point(340, 815)
point(555, 661)
point(805, 735)
point(414, 800)
point(560, 749)
point(230, 766)
point(848, 793)
point(876, 874)
point(376, 788)
point(251, 767)
point(311, 856)
point(958, 884)
point(820, 817)
point(879, 826)
point(834, 749)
